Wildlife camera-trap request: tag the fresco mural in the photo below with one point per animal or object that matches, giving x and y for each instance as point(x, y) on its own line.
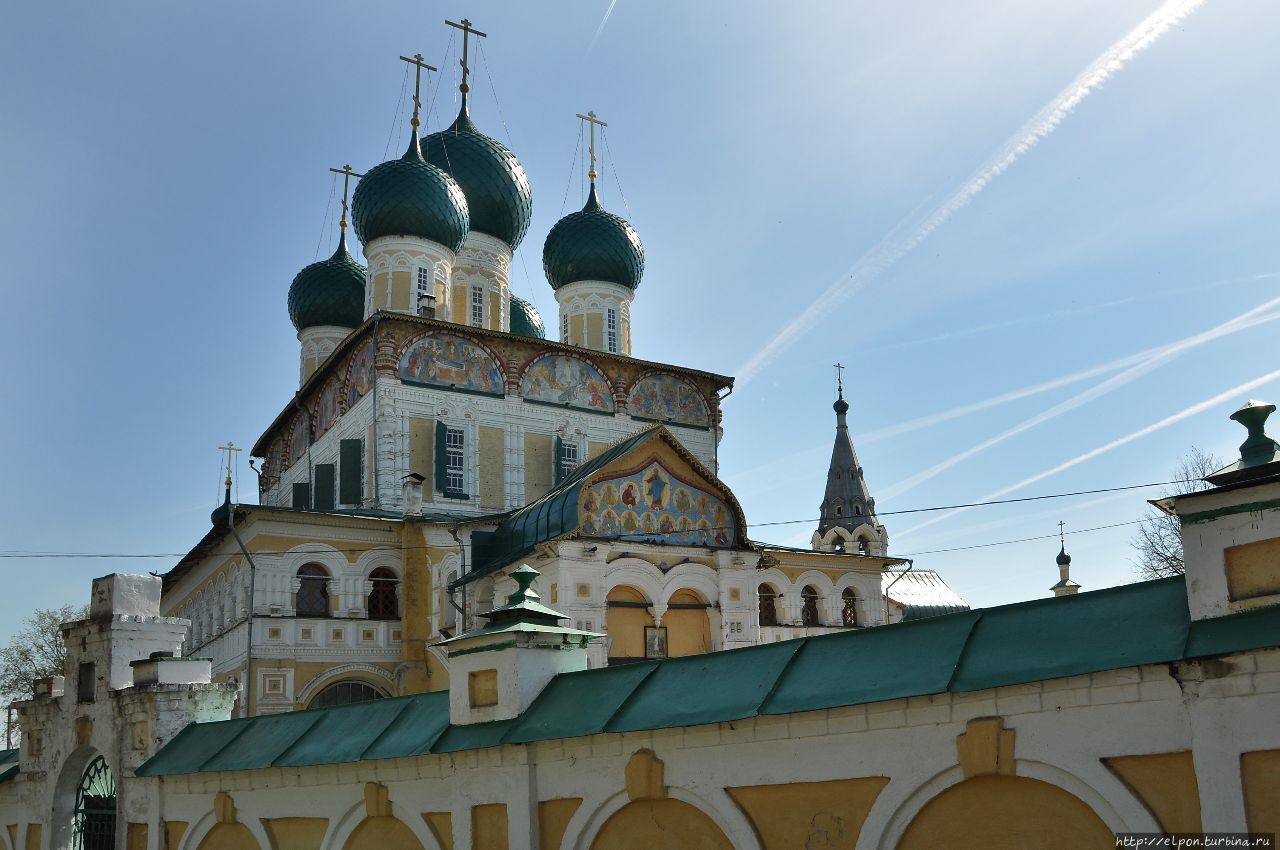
point(667, 398)
point(327, 407)
point(656, 506)
point(445, 360)
point(297, 439)
point(564, 380)
point(360, 374)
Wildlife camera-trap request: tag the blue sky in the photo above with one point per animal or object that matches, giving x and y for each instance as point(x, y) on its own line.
point(166, 178)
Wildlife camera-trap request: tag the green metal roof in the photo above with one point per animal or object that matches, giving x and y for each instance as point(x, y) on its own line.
point(593, 244)
point(499, 197)
point(525, 320)
point(410, 197)
point(330, 292)
point(921, 593)
point(8, 764)
point(1143, 623)
point(544, 519)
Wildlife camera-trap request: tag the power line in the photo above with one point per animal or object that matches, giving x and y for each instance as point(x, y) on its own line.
point(639, 537)
point(1019, 540)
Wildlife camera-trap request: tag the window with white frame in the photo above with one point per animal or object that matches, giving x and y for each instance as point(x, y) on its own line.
point(477, 307)
point(568, 458)
point(454, 472)
point(611, 330)
point(564, 328)
point(426, 287)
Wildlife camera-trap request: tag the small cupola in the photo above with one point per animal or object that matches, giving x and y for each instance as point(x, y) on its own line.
point(1065, 586)
point(1231, 533)
point(496, 671)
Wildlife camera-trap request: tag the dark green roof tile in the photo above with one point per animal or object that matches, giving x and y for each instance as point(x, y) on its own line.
point(410, 197)
point(593, 244)
point(330, 292)
point(525, 320)
point(499, 197)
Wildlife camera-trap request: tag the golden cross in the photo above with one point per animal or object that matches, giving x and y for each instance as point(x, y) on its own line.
point(839, 367)
point(467, 30)
point(418, 65)
point(592, 121)
point(347, 174)
point(229, 448)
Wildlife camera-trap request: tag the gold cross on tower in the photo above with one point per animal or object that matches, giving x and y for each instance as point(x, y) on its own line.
point(839, 367)
point(347, 174)
point(592, 121)
point(230, 448)
point(418, 65)
point(467, 30)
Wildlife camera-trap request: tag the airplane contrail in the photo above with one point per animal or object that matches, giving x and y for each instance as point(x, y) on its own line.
point(1248, 319)
point(600, 29)
point(904, 238)
point(1224, 396)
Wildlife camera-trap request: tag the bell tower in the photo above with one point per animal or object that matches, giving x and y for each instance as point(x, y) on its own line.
point(848, 513)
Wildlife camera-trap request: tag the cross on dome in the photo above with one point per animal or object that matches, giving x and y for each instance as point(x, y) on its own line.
point(592, 121)
point(418, 65)
point(467, 30)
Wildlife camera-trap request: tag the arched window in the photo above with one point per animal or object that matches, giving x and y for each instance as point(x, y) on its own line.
point(864, 545)
point(382, 598)
point(849, 611)
point(313, 591)
point(768, 605)
point(809, 610)
point(450, 613)
point(342, 693)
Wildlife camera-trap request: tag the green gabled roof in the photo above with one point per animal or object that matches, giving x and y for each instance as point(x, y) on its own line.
point(8, 764)
point(556, 513)
point(1014, 644)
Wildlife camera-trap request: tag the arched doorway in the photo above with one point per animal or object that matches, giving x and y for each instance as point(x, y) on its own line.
point(688, 626)
point(94, 827)
point(1006, 813)
point(626, 615)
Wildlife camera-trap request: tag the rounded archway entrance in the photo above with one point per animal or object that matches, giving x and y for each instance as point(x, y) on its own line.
point(94, 824)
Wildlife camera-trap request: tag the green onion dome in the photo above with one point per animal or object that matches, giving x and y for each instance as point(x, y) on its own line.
point(525, 320)
point(499, 198)
point(330, 292)
point(410, 197)
point(593, 245)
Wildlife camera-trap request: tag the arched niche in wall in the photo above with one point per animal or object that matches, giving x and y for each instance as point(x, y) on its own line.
point(566, 381)
point(666, 398)
point(360, 374)
point(440, 359)
point(327, 406)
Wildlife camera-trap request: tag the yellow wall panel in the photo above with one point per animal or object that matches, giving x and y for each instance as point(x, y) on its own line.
point(494, 322)
point(401, 291)
point(1253, 569)
point(647, 824)
point(461, 304)
point(422, 451)
point(135, 836)
point(538, 450)
point(382, 833)
point(553, 819)
point(492, 457)
point(229, 836)
point(1166, 785)
point(489, 826)
point(295, 833)
point(577, 330)
point(173, 832)
point(809, 814)
point(1260, 774)
point(595, 331)
point(441, 826)
point(625, 626)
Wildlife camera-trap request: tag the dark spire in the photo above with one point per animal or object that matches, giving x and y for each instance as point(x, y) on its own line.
point(847, 502)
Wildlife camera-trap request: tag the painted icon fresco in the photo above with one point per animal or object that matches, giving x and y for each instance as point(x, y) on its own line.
point(654, 505)
point(560, 379)
point(666, 398)
point(445, 360)
point(297, 439)
point(360, 374)
point(327, 407)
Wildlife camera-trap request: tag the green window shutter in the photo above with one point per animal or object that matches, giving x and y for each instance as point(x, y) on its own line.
point(441, 459)
point(557, 471)
point(301, 496)
point(350, 483)
point(324, 487)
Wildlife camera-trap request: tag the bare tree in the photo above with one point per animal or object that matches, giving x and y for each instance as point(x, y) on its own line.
point(35, 651)
point(1159, 538)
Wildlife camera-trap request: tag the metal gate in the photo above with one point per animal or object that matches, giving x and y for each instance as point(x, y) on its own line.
point(95, 817)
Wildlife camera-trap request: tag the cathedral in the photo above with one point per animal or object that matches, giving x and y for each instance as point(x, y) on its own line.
point(494, 595)
point(438, 440)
